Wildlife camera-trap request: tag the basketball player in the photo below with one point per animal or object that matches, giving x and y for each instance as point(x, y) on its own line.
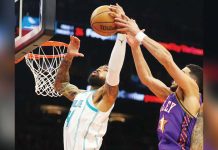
point(87, 120)
point(181, 101)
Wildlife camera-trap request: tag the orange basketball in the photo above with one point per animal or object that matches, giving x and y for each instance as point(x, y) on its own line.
point(101, 22)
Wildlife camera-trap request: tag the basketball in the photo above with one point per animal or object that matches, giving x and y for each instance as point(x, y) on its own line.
point(101, 22)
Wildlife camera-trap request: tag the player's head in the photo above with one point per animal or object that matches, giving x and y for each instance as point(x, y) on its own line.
point(195, 72)
point(98, 76)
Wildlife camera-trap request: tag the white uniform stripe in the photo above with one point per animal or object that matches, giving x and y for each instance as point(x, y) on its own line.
point(84, 142)
point(77, 127)
point(96, 139)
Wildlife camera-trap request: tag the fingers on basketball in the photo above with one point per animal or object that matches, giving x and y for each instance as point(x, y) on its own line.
point(121, 25)
point(119, 20)
point(120, 8)
point(122, 30)
point(116, 8)
point(113, 14)
point(125, 17)
point(118, 5)
point(113, 8)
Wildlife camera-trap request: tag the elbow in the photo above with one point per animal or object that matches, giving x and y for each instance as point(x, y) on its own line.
point(57, 86)
point(145, 80)
point(167, 60)
point(145, 77)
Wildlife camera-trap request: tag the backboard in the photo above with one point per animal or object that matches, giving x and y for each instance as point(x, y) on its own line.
point(35, 21)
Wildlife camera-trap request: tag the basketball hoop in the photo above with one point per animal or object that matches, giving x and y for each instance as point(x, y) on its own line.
point(44, 63)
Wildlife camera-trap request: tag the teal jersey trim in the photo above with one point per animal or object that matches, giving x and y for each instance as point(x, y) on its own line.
point(69, 117)
point(89, 100)
point(91, 107)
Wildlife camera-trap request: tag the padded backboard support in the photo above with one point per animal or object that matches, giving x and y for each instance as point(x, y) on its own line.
point(33, 39)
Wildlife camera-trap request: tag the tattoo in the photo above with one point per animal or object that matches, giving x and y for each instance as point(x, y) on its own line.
point(62, 80)
point(69, 90)
point(197, 134)
point(63, 71)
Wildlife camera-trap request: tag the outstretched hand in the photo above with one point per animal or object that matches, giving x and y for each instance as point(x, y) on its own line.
point(127, 25)
point(116, 11)
point(73, 47)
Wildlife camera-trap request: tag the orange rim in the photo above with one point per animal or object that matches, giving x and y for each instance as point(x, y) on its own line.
point(37, 56)
point(19, 60)
point(45, 44)
point(54, 43)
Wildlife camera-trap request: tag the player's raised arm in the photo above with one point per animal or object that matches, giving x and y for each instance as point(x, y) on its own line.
point(110, 89)
point(144, 73)
point(189, 86)
point(62, 80)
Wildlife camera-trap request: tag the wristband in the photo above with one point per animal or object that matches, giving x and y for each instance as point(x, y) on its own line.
point(140, 36)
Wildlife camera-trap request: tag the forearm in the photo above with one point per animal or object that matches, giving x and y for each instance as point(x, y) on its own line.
point(116, 60)
point(142, 68)
point(157, 50)
point(197, 134)
point(63, 71)
point(110, 89)
point(146, 77)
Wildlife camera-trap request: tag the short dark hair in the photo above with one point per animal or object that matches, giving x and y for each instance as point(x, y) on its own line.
point(197, 72)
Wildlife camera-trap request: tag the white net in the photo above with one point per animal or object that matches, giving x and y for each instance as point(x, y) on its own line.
point(44, 67)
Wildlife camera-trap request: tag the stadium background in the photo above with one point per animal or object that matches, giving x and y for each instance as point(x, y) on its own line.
point(175, 22)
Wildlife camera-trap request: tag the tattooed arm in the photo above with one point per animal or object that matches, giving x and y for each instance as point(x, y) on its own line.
point(62, 80)
point(197, 134)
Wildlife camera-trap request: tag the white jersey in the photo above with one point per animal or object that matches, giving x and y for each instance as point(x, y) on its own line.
point(85, 124)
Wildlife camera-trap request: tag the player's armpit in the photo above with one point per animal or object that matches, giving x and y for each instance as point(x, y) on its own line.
point(68, 90)
point(158, 88)
point(110, 93)
point(108, 97)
